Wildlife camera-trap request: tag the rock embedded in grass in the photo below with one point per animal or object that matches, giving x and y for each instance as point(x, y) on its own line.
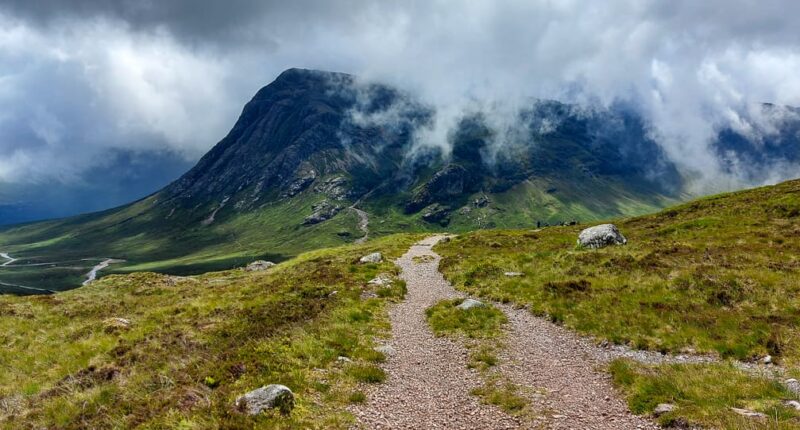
point(601, 236)
point(386, 350)
point(663, 408)
point(259, 265)
point(513, 274)
point(273, 396)
point(375, 257)
point(470, 303)
point(748, 413)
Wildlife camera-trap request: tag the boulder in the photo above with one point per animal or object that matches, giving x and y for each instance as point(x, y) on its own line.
point(259, 265)
point(470, 303)
point(268, 397)
point(663, 408)
point(600, 236)
point(375, 257)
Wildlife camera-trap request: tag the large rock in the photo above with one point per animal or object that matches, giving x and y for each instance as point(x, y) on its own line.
point(375, 257)
point(600, 236)
point(259, 265)
point(470, 303)
point(323, 211)
point(269, 397)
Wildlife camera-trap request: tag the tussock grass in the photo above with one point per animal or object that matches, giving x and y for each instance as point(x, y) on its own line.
point(704, 395)
point(194, 344)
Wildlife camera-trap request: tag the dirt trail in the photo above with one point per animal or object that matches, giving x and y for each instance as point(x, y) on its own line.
point(428, 380)
point(363, 224)
point(429, 384)
point(92, 275)
point(577, 395)
point(7, 257)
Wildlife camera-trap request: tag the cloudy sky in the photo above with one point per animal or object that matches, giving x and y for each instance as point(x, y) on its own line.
point(104, 101)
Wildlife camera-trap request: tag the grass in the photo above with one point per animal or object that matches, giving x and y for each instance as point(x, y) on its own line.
point(477, 323)
point(719, 275)
point(704, 395)
point(502, 393)
point(194, 344)
point(716, 275)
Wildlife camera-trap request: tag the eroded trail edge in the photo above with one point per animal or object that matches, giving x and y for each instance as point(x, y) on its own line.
point(428, 384)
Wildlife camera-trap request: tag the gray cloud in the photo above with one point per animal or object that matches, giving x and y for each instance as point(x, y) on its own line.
point(80, 79)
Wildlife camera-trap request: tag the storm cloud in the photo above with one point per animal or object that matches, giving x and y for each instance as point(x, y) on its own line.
point(85, 79)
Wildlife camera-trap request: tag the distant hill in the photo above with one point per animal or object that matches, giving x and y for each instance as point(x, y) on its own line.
point(311, 145)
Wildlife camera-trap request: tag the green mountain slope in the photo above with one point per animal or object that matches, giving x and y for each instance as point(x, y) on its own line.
point(311, 144)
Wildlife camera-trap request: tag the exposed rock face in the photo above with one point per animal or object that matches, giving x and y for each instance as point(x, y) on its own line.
point(301, 183)
point(375, 257)
point(323, 211)
point(259, 265)
point(336, 188)
point(269, 397)
point(451, 181)
point(601, 236)
point(437, 214)
point(470, 303)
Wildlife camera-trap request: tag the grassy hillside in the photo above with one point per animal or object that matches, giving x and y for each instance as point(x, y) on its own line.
point(56, 255)
point(194, 344)
point(719, 275)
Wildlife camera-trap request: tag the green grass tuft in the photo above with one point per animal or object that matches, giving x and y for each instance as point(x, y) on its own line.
point(476, 323)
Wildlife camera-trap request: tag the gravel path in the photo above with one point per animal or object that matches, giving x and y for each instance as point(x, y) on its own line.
point(428, 380)
point(564, 367)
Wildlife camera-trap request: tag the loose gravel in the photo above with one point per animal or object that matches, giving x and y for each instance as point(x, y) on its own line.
point(428, 384)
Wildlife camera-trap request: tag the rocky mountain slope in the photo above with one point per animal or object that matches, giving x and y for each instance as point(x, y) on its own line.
point(313, 144)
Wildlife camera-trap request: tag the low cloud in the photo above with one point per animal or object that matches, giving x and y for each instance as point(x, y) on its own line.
point(81, 79)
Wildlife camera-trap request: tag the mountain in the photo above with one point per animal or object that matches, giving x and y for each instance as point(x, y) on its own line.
point(318, 158)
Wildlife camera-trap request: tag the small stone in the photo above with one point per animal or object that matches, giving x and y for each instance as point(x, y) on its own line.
point(117, 322)
point(767, 360)
point(794, 404)
point(386, 350)
point(601, 236)
point(259, 265)
point(333, 293)
point(663, 408)
point(343, 359)
point(375, 257)
point(514, 274)
point(273, 396)
point(470, 303)
point(380, 280)
point(748, 413)
point(792, 385)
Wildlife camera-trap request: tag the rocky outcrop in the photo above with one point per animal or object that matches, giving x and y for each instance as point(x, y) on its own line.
point(335, 187)
point(601, 236)
point(269, 397)
point(323, 211)
point(300, 183)
point(437, 214)
point(259, 265)
point(451, 181)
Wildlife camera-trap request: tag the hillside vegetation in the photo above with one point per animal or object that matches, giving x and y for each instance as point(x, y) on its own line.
point(718, 275)
point(191, 345)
